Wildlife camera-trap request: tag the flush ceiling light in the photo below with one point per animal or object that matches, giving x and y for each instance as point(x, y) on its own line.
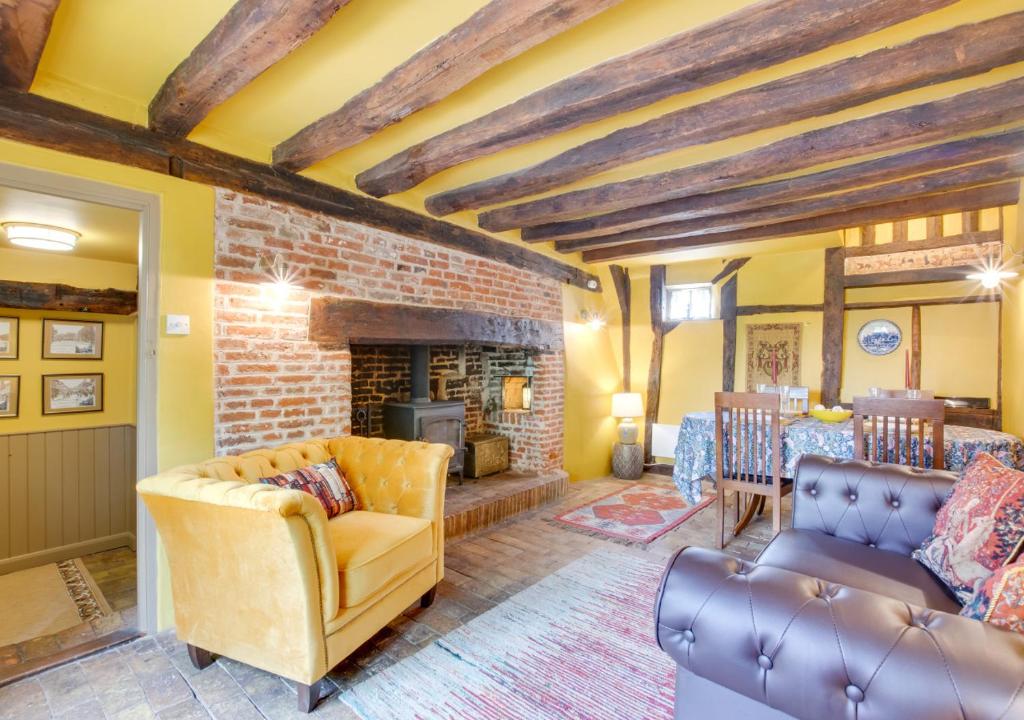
point(41, 237)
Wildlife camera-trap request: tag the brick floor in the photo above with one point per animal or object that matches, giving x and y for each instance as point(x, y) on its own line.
point(152, 677)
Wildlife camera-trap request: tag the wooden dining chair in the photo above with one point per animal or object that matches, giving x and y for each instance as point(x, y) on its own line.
point(799, 398)
point(748, 456)
point(895, 423)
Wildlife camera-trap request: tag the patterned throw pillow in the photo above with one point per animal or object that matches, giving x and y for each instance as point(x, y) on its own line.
point(1000, 599)
point(324, 481)
point(979, 529)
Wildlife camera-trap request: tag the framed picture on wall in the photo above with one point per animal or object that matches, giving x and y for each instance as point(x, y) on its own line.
point(9, 388)
point(72, 340)
point(72, 393)
point(8, 338)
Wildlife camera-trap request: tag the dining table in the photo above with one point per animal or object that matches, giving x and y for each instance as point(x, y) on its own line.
point(695, 448)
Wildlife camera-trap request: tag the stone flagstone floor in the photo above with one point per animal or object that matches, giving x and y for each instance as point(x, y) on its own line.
point(152, 677)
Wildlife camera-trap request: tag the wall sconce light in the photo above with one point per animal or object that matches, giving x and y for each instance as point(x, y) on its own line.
point(41, 237)
point(593, 319)
point(280, 276)
point(991, 275)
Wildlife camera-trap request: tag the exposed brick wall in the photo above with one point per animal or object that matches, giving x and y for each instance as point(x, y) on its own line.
point(273, 385)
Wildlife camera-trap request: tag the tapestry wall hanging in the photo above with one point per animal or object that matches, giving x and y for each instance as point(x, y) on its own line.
point(781, 341)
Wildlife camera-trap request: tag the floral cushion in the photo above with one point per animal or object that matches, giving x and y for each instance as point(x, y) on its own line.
point(324, 481)
point(1000, 599)
point(979, 528)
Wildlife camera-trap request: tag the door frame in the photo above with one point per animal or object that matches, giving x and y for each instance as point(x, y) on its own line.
point(148, 207)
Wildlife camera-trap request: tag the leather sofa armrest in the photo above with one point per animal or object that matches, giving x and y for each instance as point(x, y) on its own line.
point(816, 650)
point(891, 507)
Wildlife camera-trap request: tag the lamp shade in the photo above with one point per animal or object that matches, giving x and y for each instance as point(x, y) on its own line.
point(627, 405)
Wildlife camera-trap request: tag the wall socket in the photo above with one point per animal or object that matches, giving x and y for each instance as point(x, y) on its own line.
point(177, 325)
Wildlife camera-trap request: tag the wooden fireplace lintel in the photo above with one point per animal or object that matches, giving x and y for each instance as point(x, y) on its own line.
point(338, 320)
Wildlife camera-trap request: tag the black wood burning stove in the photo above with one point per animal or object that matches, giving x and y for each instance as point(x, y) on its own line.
point(441, 421)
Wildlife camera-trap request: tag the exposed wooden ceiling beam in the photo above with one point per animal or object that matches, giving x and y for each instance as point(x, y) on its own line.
point(252, 36)
point(49, 296)
point(929, 122)
point(750, 39)
point(24, 28)
point(496, 33)
point(961, 52)
point(733, 266)
point(986, 173)
point(1007, 193)
point(846, 177)
point(47, 123)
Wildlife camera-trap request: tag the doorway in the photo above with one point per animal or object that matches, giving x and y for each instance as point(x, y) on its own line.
point(80, 423)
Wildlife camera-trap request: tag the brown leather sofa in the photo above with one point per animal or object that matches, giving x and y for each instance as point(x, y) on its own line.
point(835, 619)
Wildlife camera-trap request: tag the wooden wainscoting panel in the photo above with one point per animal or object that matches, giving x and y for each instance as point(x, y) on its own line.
point(68, 492)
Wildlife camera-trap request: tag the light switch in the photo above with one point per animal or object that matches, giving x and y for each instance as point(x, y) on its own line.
point(177, 325)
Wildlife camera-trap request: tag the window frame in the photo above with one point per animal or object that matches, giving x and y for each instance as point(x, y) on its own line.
point(667, 301)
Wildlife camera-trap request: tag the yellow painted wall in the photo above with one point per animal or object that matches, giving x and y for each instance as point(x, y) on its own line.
point(185, 363)
point(119, 357)
point(592, 375)
point(1013, 330)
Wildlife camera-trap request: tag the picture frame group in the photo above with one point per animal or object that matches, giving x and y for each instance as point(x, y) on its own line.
point(62, 393)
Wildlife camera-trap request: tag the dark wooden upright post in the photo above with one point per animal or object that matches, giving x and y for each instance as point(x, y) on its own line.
point(729, 295)
point(832, 326)
point(657, 350)
point(620, 278)
point(915, 347)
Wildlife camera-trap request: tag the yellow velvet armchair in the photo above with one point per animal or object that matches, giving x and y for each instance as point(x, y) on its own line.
point(260, 575)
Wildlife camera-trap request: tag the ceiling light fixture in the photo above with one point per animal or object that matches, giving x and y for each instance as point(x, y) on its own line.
point(41, 237)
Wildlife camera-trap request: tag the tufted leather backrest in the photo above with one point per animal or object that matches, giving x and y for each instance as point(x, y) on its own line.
point(891, 507)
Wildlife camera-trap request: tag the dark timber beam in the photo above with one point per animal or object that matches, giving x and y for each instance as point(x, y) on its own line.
point(961, 52)
point(252, 36)
point(832, 332)
point(497, 32)
point(335, 320)
point(929, 122)
point(48, 296)
point(733, 266)
point(988, 196)
point(891, 304)
point(38, 121)
point(772, 309)
point(750, 39)
point(841, 179)
point(923, 276)
point(729, 314)
point(957, 179)
point(623, 290)
point(657, 353)
point(24, 28)
point(981, 237)
point(915, 347)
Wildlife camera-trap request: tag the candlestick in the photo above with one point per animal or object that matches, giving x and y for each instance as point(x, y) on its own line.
point(906, 376)
point(775, 368)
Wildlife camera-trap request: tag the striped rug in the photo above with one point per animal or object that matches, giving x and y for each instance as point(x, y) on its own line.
point(578, 644)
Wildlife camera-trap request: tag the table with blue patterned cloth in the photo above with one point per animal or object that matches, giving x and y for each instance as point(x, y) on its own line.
point(695, 448)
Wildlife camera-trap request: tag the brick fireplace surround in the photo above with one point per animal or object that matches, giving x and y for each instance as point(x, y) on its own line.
point(273, 385)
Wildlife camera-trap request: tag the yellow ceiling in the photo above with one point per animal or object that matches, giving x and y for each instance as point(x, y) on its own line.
point(111, 56)
point(108, 233)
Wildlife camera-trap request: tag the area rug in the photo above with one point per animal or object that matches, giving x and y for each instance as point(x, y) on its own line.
point(47, 599)
point(578, 644)
point(638, 514)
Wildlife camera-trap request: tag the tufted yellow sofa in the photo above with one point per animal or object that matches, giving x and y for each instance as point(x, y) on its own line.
point(260, 575)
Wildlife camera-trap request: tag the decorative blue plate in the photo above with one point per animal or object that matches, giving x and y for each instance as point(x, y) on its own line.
point(879, 337)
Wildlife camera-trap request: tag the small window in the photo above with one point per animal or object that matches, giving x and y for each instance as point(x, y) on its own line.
point(688, 302)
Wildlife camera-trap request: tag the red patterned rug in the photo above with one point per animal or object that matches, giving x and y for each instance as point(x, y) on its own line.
point(639, 513)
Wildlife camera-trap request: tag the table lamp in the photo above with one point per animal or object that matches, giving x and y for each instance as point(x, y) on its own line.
point(627, 406)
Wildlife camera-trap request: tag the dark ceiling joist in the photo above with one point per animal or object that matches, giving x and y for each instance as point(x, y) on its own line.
point(39, 121)
point(986, 173)
point(24, 28)
point(844, 178)
point(252, 36)
point(929, 122)
point(733, 266)
point(22, 295)
point(496, 33)
point(961, 52)
point(750, 39)
point(1006, 193)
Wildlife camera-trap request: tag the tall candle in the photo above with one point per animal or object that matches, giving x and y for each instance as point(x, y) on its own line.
point(906, 377)
point(775, 368)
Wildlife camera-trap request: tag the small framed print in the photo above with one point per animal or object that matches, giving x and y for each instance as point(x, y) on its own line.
point(72, 340)
point(72, 393)
point(10, 385)
point(8, 338)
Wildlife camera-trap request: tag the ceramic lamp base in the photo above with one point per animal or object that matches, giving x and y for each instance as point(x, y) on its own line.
point(629, 431)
